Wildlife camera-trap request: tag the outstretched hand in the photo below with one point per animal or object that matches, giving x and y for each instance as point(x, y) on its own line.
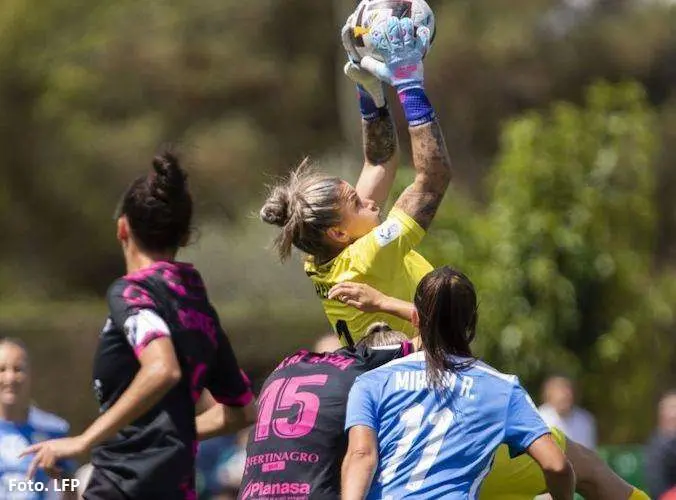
point(49, 453)
point(356, 73)
point(401, 49)
point(358, 295)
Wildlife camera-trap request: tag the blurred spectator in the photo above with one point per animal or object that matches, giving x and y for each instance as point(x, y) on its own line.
point(660, 454)
point(231, 466)
point(22, 425)
point(327, 343)
point(220, 465)
point(559, 410)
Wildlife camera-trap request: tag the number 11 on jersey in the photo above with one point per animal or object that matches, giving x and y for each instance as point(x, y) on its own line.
point(413, 425)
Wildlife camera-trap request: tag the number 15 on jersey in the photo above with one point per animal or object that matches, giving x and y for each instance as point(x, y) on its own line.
point(286, 396)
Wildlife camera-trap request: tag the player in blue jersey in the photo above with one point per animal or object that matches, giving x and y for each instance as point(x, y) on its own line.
point(22, 425)
point(519, 478)
point(429, 425)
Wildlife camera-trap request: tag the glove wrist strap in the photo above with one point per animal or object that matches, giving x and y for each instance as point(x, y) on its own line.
point(367, 106)
point(416, 105)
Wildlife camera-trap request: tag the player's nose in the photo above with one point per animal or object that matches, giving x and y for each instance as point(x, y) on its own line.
point(10, 377)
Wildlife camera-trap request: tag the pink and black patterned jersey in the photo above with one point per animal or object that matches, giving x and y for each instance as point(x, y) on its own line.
point(154, 456)
point(297, 446)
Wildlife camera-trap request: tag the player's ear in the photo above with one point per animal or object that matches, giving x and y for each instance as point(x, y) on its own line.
point(415, 319)
point(338, 235)
point(123, 229)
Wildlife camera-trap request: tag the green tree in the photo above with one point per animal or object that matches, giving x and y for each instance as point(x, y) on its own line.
point(563, 255)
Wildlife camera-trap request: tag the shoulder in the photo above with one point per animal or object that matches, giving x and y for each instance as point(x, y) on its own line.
point(44, 421)
point(498, 385)
point(507, 380)
point(392, 228)
point(405, 220)
point(125, 292)
point(117, 287)
point(123, 287)
point(388, 231)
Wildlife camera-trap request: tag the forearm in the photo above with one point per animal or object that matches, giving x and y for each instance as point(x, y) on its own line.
point(381, 158)
point(561, 485)
point(219, 420)
point(397, 307)
point(593, 477)
point(205, 402)
point(431, 160)
point(149, 386)
point(380, 140)
point(433, 173)
point(357, 474)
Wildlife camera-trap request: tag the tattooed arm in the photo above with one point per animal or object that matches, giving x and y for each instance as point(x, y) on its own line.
point(432, 164)
point(400, 48)
point(381, 155)
point(378, 130)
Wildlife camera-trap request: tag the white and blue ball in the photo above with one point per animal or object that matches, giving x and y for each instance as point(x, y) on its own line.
point(371, 12)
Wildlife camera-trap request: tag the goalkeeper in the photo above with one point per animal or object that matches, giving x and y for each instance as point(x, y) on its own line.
point(338, 225)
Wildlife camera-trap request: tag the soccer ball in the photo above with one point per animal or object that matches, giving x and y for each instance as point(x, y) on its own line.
point(370, 12)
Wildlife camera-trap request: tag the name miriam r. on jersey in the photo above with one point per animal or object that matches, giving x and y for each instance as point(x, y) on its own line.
point(417, 380)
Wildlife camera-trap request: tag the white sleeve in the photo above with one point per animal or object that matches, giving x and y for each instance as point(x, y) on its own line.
point(144, 327)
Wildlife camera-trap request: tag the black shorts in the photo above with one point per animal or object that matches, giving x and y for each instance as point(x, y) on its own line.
point(102, 488)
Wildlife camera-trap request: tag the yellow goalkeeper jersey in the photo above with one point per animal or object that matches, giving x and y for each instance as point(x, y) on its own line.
point(384, 259)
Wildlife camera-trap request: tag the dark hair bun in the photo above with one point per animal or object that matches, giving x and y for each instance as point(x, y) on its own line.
point(169, 181)
point(159, 206)
point(276, 208)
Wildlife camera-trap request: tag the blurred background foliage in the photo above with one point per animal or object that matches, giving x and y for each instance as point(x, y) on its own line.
point(562, 253)
point(563, 209)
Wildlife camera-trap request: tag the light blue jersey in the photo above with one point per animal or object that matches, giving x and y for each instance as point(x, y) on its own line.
point(435, 444)
point(14, 438)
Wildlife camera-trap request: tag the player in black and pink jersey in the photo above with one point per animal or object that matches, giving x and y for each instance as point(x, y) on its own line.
point(298, 443)
point(161, 347)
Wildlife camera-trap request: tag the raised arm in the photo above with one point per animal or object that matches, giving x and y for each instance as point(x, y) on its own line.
point(378, 130)
point(432, 164)
point(381, 159)
point(402, 52)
